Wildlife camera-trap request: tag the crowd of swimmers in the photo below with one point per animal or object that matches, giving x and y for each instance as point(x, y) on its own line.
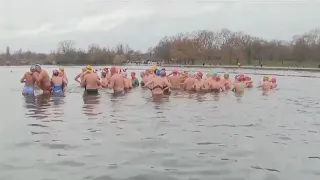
point(157, 80)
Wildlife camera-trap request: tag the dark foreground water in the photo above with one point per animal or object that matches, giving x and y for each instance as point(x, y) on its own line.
point(186, 136)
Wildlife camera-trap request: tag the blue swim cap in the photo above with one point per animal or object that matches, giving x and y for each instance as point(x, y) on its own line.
point(158, 72)
point(214, 74)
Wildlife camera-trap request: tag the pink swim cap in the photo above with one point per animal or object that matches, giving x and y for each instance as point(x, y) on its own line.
point(175, 71)
point(273, 79)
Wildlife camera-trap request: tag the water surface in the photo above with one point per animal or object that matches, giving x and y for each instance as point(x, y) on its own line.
point(185, 136)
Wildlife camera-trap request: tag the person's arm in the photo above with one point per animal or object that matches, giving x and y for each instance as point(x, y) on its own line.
point(98, 82)
point(111, 83)
point(222, 88)
point(77, 78)
point(148, 83)
point(23, 78)
point(168, 85)
point(37, 77)
point(83, 82)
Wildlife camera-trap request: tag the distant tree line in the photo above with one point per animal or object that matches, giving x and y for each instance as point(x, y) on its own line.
point(220, 47)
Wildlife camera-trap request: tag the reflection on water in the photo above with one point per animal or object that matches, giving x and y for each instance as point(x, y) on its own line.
point(183, 136)
point(90, 104)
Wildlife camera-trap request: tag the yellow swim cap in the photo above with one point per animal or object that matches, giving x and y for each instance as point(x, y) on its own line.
point(154, 67)
point(209, 74)
point(61, 68)
point(89, 68)
point(266, 78)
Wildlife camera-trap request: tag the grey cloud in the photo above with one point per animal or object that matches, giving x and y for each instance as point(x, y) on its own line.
point(39, 25)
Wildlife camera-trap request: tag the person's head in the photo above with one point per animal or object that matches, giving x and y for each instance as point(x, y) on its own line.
point(175, 72)
point(113, 70)
point(124, 74)
point(32, 68)
point(142, 74)
point(84, 69)
point(38, 68)
point(226, 75)
point(209, 74)
point(89, 68)
point(163, 73)
point(218, 77)
point(55, 72)
point(265, 78)
point(61, 68)
point(103, 73)
point(274, 79)
point(158, 72)
point(214, 74)
point(106, 69)
point(133, 74)
point(199, 75)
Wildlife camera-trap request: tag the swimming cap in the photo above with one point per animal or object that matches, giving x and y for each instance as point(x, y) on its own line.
point(61, 68)
point(266, 78)
point(209, 74)
point(214, 74)
point(158, 72)
point(153, 68)
point(227, 74)
point(273, 79)
point(32, 68)
point(124, 74)
point(37, 66)
point(55, 72)
point(106, 68)
point(89, 68)
point(163, 73)
point(175, 71)
point(133, 73)
point(199, 74)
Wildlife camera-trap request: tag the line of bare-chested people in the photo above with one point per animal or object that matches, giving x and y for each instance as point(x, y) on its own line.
point(157, 80)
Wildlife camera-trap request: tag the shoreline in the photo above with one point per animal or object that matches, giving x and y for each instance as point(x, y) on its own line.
point(246, 67)
point(195, 66)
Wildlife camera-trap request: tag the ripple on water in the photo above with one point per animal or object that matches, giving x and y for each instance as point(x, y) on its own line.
point(228, 136)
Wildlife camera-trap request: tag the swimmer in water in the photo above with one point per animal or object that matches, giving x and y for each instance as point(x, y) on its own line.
point(134, 80)
point(79, 76)
point(144, 78)
point(266, 84)
point(63, 74)
point(174, 79)
point(216, 85)
point(158, 85)
point(58, 83)
point(274, 82)
point(43, 79)
point(239, 85)
point(116, 82)
point(104, 79)
point(91, 81)
point(29, 82)
point(164, 76)
point(227, 81)
point(127, 81)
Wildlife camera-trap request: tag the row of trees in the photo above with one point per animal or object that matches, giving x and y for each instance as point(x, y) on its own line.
point(66, 53)
point(227, 47)
point(223, 47)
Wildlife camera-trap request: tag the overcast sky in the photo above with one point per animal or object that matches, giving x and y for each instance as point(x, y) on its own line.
point(39, 25)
